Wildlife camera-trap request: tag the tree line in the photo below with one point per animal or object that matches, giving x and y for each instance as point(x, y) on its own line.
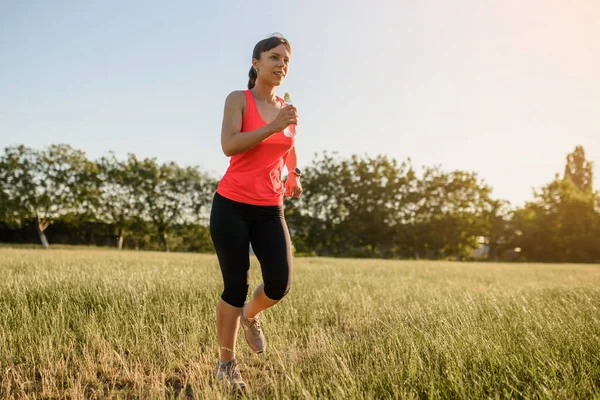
point(138, 202)
point(358, 206)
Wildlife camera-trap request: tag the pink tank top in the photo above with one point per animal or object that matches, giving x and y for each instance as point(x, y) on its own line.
point(254, 177)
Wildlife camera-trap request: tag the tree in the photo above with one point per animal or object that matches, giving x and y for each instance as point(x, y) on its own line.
point(450, 212)
point(377, 193)
point(579, 170)
point(364, 206)
point(44, 183)
point(316, 216)
point(170, 195)
point(119, 202)
point(8, 207)
point(498, 229)
point(562, 223)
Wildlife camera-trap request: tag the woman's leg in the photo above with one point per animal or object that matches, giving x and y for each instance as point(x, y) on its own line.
point(258, 302)
point(271, 243)
point(230, 236)
point(228, 323)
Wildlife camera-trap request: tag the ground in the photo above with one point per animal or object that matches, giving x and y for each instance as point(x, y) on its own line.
point(85, 323)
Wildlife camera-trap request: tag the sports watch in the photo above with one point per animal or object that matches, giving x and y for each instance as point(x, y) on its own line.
point(297, 172)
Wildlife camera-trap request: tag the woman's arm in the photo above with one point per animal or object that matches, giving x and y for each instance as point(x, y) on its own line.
point(231, 142)
point(292, 160)
point(293, 187)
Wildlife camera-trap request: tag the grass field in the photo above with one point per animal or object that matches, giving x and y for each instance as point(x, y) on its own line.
point(107, 324)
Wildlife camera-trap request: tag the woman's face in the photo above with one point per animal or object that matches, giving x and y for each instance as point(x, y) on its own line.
point(273, 65)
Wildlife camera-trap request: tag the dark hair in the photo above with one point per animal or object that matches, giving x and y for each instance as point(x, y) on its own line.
point(262, 46)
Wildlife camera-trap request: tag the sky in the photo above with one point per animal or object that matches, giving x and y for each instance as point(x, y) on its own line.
point(502, 88)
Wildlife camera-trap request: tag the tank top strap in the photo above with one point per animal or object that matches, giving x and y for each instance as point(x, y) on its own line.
point(251, 109)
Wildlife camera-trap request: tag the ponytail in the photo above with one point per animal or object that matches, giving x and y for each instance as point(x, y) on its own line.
point(252, 75)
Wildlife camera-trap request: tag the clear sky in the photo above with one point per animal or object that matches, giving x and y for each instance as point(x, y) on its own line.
point(504, 88)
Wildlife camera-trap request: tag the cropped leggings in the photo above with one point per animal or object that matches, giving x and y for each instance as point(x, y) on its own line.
point(233, 227)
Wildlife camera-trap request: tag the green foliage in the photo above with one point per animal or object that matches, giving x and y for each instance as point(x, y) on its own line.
point(142, 196)
point(358, 206)
point(170, 195)
point(42, 185)
point(376, 207)
point(579, 170)
point(118, 199)
point(450, 211)
point(561, 224)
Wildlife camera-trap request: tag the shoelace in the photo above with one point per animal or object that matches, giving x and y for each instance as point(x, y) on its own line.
point(233, 370)
point(256, 323)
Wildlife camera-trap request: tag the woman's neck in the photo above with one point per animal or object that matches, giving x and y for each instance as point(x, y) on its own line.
point(264, 93)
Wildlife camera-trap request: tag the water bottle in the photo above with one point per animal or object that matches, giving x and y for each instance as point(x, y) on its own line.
point(291, 129)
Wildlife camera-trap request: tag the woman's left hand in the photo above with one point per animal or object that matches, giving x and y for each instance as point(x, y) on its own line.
point(292, 186)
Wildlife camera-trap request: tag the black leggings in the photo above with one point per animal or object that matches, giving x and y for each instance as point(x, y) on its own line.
point(233, 226)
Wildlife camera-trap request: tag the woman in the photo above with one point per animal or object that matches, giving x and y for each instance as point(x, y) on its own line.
point(248, 204)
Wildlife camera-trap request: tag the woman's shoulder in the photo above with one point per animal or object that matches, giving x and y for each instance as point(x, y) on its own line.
point(237, 95)
point(236, 99)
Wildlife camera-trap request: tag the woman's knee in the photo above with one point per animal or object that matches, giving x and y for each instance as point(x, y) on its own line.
point(235, 294)
point(277, 289)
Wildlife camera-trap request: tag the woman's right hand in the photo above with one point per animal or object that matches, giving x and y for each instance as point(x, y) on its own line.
point(286, 117)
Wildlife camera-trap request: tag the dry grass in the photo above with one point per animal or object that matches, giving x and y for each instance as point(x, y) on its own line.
point(106, 324)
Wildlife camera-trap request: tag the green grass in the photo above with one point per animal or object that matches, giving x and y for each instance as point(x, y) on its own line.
point(108, 324)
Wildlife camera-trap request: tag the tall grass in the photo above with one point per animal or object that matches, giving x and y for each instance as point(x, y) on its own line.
point(107, 324)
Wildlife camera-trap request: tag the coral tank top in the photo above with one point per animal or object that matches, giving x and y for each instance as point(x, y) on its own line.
point(254, 176)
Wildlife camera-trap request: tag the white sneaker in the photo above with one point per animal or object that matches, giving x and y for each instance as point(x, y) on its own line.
point(229, 372)
point(253, 334)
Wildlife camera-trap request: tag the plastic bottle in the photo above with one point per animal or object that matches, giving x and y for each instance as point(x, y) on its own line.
point(291, 129)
